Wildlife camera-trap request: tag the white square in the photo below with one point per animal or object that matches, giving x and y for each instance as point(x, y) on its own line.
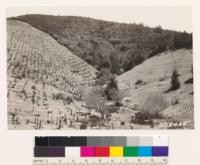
point(72, 151)
point(160, 141)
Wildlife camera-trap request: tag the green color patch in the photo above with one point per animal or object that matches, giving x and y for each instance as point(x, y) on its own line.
point(130, 151)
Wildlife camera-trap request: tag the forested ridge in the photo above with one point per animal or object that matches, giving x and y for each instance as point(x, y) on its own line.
point(111, 47)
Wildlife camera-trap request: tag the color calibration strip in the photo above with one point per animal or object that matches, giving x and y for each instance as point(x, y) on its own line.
point(101, 147)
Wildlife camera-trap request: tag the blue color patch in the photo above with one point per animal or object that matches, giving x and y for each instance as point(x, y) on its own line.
point(145, 151)
point(160, 151)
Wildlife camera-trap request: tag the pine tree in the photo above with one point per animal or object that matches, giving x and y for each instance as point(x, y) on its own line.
point(175, 83)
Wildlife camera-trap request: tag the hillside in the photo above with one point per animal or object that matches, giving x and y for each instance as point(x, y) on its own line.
point(42, 73)
point(52, 86)
point(117, 47)
point(154, 76)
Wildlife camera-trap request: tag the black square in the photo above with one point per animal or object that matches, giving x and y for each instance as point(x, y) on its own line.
point(58, 141)
point(41, 141)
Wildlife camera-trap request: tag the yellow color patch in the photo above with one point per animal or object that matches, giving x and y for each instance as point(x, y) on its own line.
point(116, 152)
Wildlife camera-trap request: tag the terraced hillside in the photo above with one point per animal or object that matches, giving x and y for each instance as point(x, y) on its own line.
point(41, 74)
point(152, 78)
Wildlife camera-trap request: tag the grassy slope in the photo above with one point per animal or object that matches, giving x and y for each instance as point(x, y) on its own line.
point(151, 71)
point(31, 51)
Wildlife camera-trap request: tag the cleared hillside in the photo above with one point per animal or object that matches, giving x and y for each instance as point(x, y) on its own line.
point(115, 46)
point(42, 73)
point(41, 53)
point(154, 76)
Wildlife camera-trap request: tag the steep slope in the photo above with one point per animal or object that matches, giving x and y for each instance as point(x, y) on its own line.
point(116, 46)
point(41, 72)
point(38, 45)
point(154, 76)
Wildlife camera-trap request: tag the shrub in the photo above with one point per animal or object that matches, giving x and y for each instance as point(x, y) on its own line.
point(83, 126)
point(154, 104)
point(122, 123)
point(118, 97)
point(112, 92)
point(174, 101)
point(33, 87)
point(145, 118)
point(93, 96)
point(69, 99)
point(139, 118)
point(58, 96)
point(162, 78)
point(139, 81)
point(94, 118)
point(113, 109)
point(189, 81)
point(94, 100)
point(115, 41)
point(111, 88)
point(103, 76)
point(63, 97)
point(134, 107)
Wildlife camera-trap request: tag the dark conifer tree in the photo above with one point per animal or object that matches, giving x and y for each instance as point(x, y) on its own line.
point(175, 83)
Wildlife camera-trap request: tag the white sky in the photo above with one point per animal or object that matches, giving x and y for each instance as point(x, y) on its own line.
point(169, 17)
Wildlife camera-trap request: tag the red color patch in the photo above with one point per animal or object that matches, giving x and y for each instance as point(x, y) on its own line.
point(102, 151)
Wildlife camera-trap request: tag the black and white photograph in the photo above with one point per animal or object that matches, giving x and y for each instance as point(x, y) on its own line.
point(99, 67)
